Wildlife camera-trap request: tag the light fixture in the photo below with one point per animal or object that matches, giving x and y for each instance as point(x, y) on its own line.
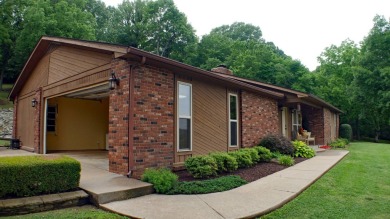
point(34, 102)
point(113, 82)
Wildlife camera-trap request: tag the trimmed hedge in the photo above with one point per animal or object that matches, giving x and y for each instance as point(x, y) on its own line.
point(34, 175)
point(243, 158)
point(346, 131)
point(163, 179)
point(225, 162)
point(264, 153)
point(201, 166)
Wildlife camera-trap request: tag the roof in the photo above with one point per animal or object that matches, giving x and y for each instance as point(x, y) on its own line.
point(121, 51)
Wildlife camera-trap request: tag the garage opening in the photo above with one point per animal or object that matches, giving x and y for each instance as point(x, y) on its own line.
point(78, 121)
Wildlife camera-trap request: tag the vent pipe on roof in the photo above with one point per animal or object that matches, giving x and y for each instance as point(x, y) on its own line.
point(222, 69)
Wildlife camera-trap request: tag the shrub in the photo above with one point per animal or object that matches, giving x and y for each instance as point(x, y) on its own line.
point(163, 179)
point(302, 150)
point(264, 153)
point(276, 154)
point(225, 162)
point(253, 153)
point(201, 166)
point(277, 143)
point(35, 175)
point(346, 131)
point(243, 158)
point(286, 160)
point(339, 143)
point(208, 186)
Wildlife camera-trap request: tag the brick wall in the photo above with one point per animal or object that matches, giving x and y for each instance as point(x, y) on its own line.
point(37, 120)
point(153, 117)
point(118, 120)
point(259, 118)
point(315, 120)
point(327, 126)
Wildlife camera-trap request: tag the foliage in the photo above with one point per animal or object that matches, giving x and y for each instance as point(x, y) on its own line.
point(302, 150)
point(357, 187)
point(277, 143)
point(286, 160)
point(163, 179)
point(276, 154)
point(264, 153)
point(201, 166)
point(80, 212)
point(253, 153)
point(339, 143)
point(346, 131)
point(33, 175)
point(225, 162)
point(220, 184)
point(243, 158)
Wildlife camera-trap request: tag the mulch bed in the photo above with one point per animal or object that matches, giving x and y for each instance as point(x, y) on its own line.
point(250, 174)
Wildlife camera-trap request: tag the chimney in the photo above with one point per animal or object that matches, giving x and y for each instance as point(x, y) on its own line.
point(222, 69)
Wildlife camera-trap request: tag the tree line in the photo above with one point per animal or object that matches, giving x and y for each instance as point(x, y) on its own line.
point(354, 78)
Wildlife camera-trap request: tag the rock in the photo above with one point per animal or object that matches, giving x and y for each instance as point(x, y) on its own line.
point(6, 123)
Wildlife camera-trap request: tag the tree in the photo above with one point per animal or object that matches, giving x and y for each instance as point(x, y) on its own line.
point(54, 18)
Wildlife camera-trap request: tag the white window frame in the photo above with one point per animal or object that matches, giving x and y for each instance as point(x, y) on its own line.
point(298, 123)
point(184, 117)
point(233, 120)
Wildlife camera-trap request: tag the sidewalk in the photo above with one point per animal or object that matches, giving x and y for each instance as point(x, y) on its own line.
point(251, 200)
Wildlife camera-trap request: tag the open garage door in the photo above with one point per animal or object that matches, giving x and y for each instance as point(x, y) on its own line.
point(77, 121)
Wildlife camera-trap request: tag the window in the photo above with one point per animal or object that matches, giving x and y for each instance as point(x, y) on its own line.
point(233, 120)
point(296, 122)
point(184, 116)
point(51, 118)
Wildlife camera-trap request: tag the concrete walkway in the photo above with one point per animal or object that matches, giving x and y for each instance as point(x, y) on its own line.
point(251, 200)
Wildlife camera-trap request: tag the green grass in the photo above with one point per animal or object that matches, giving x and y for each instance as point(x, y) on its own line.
point(357, 187)
point(4, 103)
point(86, 211)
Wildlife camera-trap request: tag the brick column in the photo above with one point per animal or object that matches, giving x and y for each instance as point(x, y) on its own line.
point(118, 120)
point(14, 128)
point(37, 120)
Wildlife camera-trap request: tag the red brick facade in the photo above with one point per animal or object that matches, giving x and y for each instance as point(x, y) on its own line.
point(315, 120)
point(259, 118)
point(37, 120)
point(118, 122)
point(153, 117)
point(327, 126)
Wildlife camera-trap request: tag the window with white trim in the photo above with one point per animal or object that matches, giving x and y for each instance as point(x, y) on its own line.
point(233, 120)
point(184, 120)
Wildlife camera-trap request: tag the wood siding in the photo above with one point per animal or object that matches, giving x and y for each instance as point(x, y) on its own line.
point(38, 77)
point(209, 119)
point(67, 61)
point(25, 122)
point(210, 130)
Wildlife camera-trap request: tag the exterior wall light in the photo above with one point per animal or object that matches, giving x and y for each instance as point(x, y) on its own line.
point(113, 82)
point(34, 102)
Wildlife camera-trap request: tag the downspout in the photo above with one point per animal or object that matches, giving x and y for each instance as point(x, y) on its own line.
point(130, 117)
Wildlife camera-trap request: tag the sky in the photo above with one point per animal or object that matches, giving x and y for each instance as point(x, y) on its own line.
point(301, 28)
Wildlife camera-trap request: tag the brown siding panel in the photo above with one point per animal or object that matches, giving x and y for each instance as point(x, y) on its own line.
point(209, 118)
point(38, 77)
point(25, 122)
point(67, 61)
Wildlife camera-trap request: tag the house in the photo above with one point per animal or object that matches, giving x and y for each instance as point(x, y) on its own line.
point(147, 110)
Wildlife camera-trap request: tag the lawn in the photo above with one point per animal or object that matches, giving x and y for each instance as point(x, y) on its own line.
point(4, 103)
point(87, 211)
point(357, 187)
